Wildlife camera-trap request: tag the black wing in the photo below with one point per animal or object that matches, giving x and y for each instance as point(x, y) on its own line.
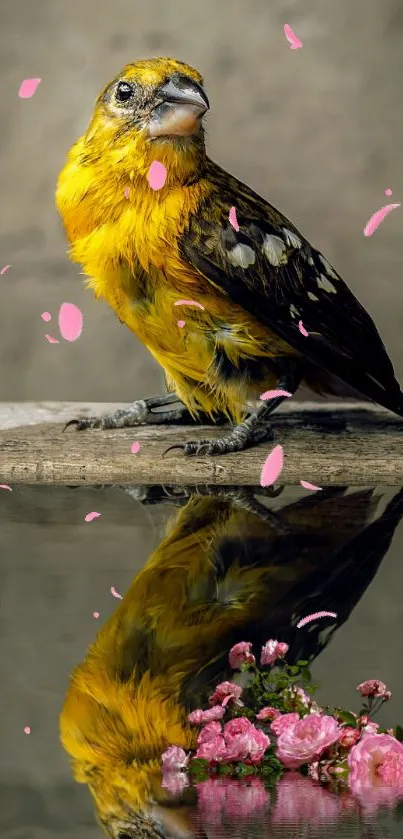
point(269, 269)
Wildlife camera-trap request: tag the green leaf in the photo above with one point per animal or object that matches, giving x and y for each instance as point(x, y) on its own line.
point(294, 670)
point(348, 718)
point(399, 733)
point(305, 675)
point(242, 771)
point(302, 663)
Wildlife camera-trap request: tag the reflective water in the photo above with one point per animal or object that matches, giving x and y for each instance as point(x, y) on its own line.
point(334, 550)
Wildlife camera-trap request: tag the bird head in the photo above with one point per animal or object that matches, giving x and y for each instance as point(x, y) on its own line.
point(153, 110)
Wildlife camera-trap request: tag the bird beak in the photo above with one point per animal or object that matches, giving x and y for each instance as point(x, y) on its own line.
point(181, 105)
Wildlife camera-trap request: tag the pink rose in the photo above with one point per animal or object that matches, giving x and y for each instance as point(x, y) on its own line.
point(212, 749)
point(371, 727)
point(175, 782)
point(349, 737)
point(241, 654)
point(210, 730)
point(373, 687)
point(224, 693)
point(243, 741)
point(306, 739)
point(301, 800)
point(174, 759)
point(376, 760)
point(230, 799)
point(283, 722)
point(268, 713)
point(198, 717)
point(271, 651)
point(297, 694)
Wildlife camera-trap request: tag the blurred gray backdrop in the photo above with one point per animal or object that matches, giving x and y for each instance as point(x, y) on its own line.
point(318, 131)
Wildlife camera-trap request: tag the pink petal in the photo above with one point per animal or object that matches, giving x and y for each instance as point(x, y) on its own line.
point(95, 615)
point(272, 394)
point(5, 486)
point(181, 323)
point(302, 329)
point(27, 729)
point(188, 303)
point(157, 175)
point(272, 467)
point(307, 485)
point(377, 217)
point(233, 218)
point(292, 39)
point(46, 316)
point(314, 616)
point(135, 448)
point(388, 191)
point(127, 192)
point(51, 339)
point(28, 88)
point(116, 593)
point(91, 516)
point(70, 321)
point(3, 270)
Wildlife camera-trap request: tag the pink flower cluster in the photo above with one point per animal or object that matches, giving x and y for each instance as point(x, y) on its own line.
point(301, 741)
point(239, 740)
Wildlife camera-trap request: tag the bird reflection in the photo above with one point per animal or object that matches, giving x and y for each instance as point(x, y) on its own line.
point(231, 567)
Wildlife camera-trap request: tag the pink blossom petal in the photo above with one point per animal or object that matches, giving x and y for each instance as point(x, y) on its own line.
point(314, 616)
point(307, 485)
point(181, 323)
point(4, 269)
point(233, 219)
point(28, 88)
point(127, 192)
point(388, 191)
point(92, 516)
point(188, 303)
point(135, 447)
point(292, 39)
point(46, 316)
point(51, 339)
point(273, 394)
point(377, 218)
point(5, 486)
point(95, 615)
point(272, 466)
point(70, 321)
point(116, 593)
point(302, 329)
point(157, 175)
point(27, 729)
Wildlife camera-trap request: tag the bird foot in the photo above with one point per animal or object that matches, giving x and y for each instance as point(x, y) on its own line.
point(242, 437)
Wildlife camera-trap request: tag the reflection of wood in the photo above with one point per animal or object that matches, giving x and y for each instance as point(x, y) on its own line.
point(325, 444)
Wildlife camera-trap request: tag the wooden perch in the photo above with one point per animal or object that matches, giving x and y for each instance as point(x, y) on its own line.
point(345, 443)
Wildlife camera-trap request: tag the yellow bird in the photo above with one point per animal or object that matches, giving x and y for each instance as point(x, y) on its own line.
point(271, 311)
point(221, 575)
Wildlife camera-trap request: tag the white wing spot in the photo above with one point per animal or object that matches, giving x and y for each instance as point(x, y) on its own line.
point(328, 268)
point(241, 256)
point(291, 239)
point(312, 296)
point(274, 250)
point(293, 311)
point(324, 283)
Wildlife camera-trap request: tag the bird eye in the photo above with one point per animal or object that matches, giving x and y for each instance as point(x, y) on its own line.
point(124, 92)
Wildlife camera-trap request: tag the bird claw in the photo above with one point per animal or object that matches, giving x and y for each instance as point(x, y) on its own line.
point(180, 446)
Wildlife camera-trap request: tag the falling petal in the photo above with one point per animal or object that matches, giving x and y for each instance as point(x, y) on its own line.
point(307, 485)
point(28, 88)
point(273, 394)
point(233, 219)
point(388, 192)
point(272, 467)
point(5, 486)
point(292, 39)
point(157, 175)
point(116, 593)
point(302, 329)
point(27, 729)
point(135, 448)
point(314, 616)
point(188, 303)
point(51, 339)
point(91, 516)
point(70, 321)
point(127, 192)
point(95, 615)
point(181, 323)
point(4, 269)
point(46, 316)
point(377, 218)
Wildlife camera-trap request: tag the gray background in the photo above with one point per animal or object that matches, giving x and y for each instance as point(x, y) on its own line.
point(318, 132)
